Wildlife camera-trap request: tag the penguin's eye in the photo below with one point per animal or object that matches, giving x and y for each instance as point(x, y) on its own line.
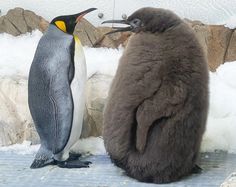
point(136, 23)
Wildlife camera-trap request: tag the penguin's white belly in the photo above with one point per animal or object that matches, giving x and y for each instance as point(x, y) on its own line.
point(78, 94)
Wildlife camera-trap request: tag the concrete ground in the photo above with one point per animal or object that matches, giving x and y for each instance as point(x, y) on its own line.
point(15, 172)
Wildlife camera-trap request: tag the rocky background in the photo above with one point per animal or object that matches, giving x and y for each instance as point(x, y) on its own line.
point(16, 124)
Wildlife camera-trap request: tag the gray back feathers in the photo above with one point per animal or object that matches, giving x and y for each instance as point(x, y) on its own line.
point(50, 99)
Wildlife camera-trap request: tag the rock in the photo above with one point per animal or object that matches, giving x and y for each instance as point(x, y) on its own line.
point(19, 21)
point(30, 133)
point(89, 126)
point(43, 24)
point(8, 134)
point(14, 109)
point(87, 33)
point(31, 19)
point(7, 27)
point(106, 42)
point(15, 16)
point(113, 40)
point(231, 49)
point(214, 40)
point(217, 43)
point(201, 32)
point(97, 91)
point(16, 124)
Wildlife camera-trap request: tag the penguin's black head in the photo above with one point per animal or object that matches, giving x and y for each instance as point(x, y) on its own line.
point(67, 23)
point(147, 20)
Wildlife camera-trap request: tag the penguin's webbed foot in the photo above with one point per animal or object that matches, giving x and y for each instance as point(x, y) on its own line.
point(73, 164)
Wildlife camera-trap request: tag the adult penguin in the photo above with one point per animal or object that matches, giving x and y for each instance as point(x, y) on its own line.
point(157, 106)
point(56, 91)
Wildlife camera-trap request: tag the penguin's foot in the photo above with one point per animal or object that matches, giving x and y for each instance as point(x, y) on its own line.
point(196, 169)
point(73, 164)
point(73, 156)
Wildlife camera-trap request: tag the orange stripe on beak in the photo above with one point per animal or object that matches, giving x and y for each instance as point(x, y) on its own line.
point(79, 18)
point(82, 14)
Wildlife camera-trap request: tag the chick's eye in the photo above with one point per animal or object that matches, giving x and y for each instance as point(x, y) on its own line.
point(136, 22)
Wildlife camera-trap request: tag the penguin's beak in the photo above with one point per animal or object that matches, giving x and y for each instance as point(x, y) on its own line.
point(119, 29)
point(82, 14)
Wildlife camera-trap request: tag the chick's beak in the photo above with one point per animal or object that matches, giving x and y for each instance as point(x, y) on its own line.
point(119, 29)
point(82, 14)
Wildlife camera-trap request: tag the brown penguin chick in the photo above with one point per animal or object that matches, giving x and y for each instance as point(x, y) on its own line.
point(157, 106)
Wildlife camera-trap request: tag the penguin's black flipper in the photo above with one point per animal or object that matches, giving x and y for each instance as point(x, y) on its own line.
point(73, 164)
point(196, 169)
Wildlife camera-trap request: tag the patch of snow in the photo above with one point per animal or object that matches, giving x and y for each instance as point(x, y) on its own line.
point(23, 149)
point(231, 22)
point(102, 60)
point(17, 55)
point(91, 145)
point(220, 134)
point(221, 123)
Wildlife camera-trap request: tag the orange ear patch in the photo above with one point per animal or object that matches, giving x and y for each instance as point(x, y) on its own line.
point(61, 25)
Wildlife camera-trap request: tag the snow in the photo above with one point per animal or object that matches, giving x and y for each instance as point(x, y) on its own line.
point(102, 60)
point(17, 54)
point(221, 124)
point(91, 145)
point(22, 149)
point(231, 22)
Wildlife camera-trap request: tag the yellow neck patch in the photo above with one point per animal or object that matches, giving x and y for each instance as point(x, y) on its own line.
point(61, 25)
point(77, 39)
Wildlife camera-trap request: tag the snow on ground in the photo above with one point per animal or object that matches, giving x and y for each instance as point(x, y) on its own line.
point(91, 145)
point(23, 149)
point(221, 124)
point(17, 53)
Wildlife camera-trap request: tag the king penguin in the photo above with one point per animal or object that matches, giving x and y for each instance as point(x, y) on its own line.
point(157, 104)
point(56, 92)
